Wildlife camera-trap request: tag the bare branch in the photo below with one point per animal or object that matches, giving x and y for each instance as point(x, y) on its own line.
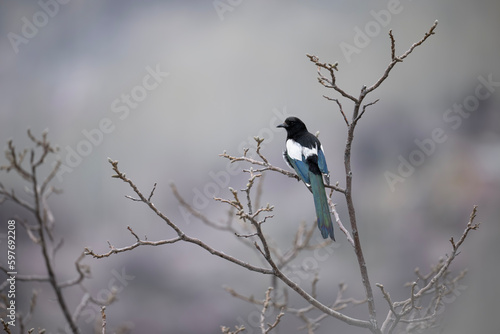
point(430, 281)
point(266, 252)
point(387, 297)
point(15, 161)
point(6, 327)
point(10, 195)
point(470, 226)
point(364, 109)
point(103, 317)
point(257, 150)
point(395, 60)
point(198, 214)
point(227, 330)
point(329, 83)
point(266, 303)
point(79, 308)
point(36, 278)
point(393, 45)
point(339, 223)
point(268, 166)
point(260, 163)
point(40, 191)
point(26, 318)
point(358, 112)
point(152, 192)
point(139, 242)
point(83, 271)
point(340, 108)
point(181, 235)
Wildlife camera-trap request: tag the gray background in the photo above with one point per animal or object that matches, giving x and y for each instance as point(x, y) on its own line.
point(234, 75)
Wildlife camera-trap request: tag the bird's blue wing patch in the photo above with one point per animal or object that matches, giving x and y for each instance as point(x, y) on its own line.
point(322, 161)
point(300, 168)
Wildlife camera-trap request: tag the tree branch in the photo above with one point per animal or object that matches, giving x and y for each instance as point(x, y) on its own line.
point(395, 59)
point(39, 208)
point(358, 111)
point(434, 280)
point(181, 235)
point(268, 166)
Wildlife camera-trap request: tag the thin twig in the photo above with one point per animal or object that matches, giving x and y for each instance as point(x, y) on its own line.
point(272, 168)
point(430, 281)
point(329, 83)
point(339, 222)
point(340, 108)
point(6, 327)
point(139, 242)
point(103, 317)
point(395, 60)
point(364, 109)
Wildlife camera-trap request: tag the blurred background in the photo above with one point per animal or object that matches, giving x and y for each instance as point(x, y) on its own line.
point(166, 86)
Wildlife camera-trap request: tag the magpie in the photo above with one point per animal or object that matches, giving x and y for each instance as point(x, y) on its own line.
point(304, 154)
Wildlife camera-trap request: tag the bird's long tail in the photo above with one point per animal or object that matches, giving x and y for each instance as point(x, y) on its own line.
point(325, 224)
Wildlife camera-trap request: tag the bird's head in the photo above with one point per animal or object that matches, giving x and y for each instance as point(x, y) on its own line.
point(293, 125)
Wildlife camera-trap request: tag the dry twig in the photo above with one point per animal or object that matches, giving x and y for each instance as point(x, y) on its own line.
point(103, 319)
point(27, 164)
point(40, 192)
point(437, 280)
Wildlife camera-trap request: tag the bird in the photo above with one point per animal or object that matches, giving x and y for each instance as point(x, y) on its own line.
point(304, 154)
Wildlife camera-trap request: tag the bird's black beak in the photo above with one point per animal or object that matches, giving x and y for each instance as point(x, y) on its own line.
point(282, 125)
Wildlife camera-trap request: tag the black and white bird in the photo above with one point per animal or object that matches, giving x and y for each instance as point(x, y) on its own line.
point(304, 153)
